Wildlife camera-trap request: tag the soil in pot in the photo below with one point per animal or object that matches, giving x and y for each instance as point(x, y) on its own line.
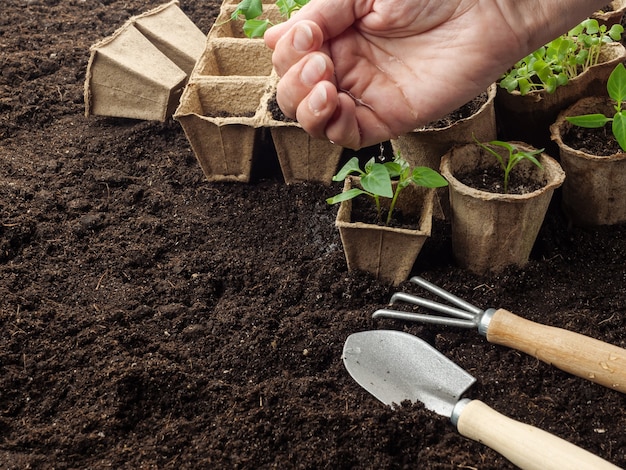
point(364, 210)
point(599, 141)
point(490, 179)
point(275, 111)
point(468, 109)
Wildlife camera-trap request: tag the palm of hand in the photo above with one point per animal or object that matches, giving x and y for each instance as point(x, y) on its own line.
point(396, 69)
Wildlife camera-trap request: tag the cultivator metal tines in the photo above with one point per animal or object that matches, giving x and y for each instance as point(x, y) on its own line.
point(580, 355)
point(463, 314)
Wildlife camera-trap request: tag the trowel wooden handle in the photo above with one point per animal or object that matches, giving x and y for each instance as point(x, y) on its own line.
point(577, 354)
point(524, 445)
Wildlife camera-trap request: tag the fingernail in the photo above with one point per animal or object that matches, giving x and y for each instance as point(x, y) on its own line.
point(313, 70)
point(302, 38)
point(318, 99)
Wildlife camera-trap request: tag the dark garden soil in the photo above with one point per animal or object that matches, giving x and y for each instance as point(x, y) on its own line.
point(150, 319)
point(491, 180)
point(468, 109)
point(598, 141)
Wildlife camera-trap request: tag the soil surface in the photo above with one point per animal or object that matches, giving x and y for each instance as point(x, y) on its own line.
point(600, 141)
point(151, 319)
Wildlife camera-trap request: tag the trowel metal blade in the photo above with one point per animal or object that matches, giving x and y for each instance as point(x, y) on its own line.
point(395, 366)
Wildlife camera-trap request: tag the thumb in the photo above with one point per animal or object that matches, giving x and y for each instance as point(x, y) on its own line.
point(332, 16)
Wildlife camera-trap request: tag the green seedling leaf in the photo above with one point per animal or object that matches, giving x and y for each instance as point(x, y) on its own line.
point(581, 57)
point(288, 7)
point(616, 88)
point(377, 181)
point(395, 168)
point(345, 195)
point(515, 156)
point(509, 83)
point(616, 84)
point(616, 31)
point(590, 121)
point(562, 79)
point(554, 64)
point(250, 9)
point(351, 167)
point(576, 30)
point(550, 84)
point(427, 177)
point(530, 156)
point(255, 28)
point(370, 164)
point(591, 26)
point(619, 129)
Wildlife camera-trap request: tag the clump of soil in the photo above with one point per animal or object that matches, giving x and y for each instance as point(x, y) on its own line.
point(275, 111)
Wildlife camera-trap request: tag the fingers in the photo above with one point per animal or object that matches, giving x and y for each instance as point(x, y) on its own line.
point(324, 14)
point(343, 128)
point(307, 90)
point(316, 109)
point(326, 114)
point(299, 81)
point(294, 44)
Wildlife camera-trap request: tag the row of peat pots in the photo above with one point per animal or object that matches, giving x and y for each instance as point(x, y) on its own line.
point(228, 111)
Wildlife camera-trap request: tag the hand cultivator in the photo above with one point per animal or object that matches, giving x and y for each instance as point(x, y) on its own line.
point(571, 352)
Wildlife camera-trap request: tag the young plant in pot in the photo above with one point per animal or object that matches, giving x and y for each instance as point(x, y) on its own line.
point(499, 195)
point(533, 92)
point(591, 136)
point(383, 246)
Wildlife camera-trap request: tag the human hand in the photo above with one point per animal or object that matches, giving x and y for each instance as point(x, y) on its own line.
point(361, 72)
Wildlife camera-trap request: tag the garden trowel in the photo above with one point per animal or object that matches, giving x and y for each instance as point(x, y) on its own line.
point(586, 357)
point(395, 367)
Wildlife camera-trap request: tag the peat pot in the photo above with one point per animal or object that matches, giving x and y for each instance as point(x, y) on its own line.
point(595, 188)
point(301, 157)
point(140, 71)
point(220, 118)
point(491, 231)
point(386, 252)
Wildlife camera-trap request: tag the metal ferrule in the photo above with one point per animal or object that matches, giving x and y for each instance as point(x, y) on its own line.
point(484, 320)
point(457, 410)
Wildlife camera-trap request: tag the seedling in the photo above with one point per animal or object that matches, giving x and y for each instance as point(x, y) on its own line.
point(562, 59)
point(616, 87)
point(515, 156)
point(376, 181)
point(251, 10)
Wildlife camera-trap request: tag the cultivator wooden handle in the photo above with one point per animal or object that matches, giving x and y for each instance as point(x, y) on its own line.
point(580, 355)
